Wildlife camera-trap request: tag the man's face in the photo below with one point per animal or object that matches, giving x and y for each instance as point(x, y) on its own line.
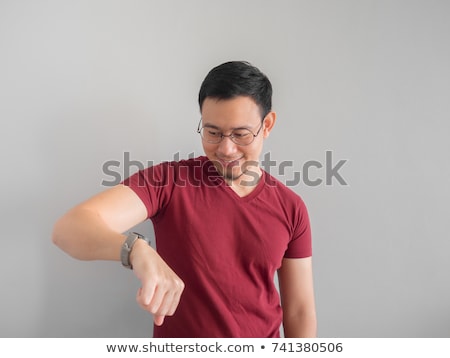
point(230, 159)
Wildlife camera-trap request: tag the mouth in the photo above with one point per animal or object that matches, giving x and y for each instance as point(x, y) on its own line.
point(229, 162)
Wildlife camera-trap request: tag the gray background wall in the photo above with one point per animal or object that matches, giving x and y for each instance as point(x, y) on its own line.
point(83, 82)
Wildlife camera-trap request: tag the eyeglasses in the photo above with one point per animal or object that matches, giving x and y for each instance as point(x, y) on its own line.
point(240, 136)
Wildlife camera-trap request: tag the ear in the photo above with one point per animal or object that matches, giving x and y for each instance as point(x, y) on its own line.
point(269, 122)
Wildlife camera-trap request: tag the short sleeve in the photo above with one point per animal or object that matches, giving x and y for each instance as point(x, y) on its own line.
point(154, 186)
point(300, 245)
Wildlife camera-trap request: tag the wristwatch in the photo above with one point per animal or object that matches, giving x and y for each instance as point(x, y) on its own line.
point(128, 246)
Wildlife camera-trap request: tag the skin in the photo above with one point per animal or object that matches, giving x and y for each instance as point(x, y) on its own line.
point(92, 230)
point(237, 164)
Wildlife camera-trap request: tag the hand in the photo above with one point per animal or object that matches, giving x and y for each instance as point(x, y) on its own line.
point(161, 287)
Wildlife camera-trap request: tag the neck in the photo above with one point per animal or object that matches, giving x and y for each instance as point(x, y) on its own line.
point(245, 183)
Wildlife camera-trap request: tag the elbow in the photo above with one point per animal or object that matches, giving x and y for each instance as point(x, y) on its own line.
point(61, 237)
point(303, 324)
point(56, 236)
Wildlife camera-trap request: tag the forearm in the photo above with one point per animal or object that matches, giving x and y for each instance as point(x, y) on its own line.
point(84, 235)
point(302, 325)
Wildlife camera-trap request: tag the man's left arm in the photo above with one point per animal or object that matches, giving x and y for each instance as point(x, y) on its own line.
point(295, 278)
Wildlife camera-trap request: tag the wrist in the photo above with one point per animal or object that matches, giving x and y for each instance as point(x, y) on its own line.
point(139, 246)
point(133, 239)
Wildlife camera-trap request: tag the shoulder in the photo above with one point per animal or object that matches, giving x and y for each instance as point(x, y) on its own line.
point(157, 184)
point(186, 173)
point(177, 168)
point(275, 187)
point(283, 199)
point(191, 170)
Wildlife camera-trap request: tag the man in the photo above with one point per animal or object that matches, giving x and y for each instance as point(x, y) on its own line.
point(223, 226)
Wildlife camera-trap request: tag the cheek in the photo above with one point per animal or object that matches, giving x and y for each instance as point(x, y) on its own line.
point(255, 150)
point(209, 148)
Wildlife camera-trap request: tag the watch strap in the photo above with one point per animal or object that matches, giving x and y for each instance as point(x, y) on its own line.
point(128, 246)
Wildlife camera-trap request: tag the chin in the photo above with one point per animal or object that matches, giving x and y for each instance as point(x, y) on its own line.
point(229, 173)
point(233, 175)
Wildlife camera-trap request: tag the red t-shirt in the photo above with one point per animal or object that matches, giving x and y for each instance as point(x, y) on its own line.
point(225, 248)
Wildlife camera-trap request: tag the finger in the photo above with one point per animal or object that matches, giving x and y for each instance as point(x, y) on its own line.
point(174, 304)
point(158, 320)
point(167, 306)
point(140, 298)
point(158, 301)
point(145, 295)
point(170, 303)
point(157, 307)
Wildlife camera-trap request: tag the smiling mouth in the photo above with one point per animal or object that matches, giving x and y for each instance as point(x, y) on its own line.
point(232, 162)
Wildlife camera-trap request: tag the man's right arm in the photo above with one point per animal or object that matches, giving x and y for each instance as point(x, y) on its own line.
point(93, 230)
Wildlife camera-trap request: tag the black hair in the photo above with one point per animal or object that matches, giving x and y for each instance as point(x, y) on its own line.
point(237, 78)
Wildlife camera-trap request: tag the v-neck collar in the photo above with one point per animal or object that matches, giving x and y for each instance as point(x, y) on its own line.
point(213, 177)
point(256, 190)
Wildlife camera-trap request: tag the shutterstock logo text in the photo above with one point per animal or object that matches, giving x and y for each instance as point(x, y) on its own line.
point(313, 173)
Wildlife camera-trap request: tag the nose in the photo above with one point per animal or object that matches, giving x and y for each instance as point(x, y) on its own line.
point(227, 147)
